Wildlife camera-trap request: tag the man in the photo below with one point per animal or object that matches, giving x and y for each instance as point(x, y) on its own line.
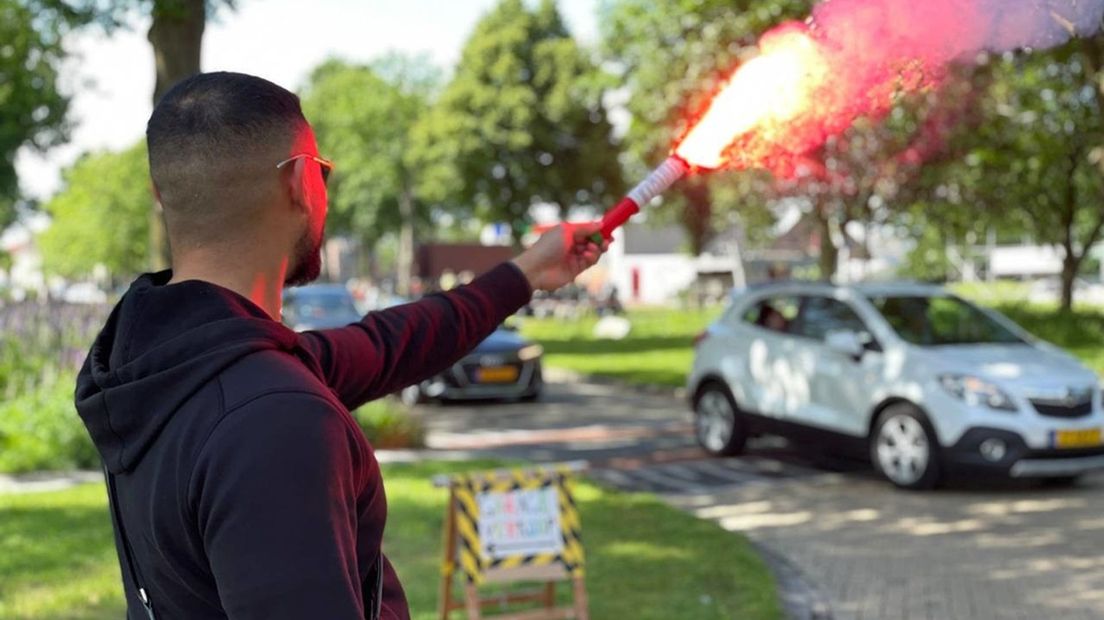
point(240, 485)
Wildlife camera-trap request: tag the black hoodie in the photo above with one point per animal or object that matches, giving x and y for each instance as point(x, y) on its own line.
point(245, 488)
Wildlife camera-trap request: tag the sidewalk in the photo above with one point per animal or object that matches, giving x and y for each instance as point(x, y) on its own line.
point(47, 480)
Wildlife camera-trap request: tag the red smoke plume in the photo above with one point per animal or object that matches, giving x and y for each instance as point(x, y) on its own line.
point(854, 58)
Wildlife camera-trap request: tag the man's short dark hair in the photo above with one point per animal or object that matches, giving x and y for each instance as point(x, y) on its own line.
point(206, 135)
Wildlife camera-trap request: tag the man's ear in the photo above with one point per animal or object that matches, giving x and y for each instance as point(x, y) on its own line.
point(296, 185)
point(156, 193)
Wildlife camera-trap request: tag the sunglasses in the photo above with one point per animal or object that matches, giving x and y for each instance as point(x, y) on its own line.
point(325, 165)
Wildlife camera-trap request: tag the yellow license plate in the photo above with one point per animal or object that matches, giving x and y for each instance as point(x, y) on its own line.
point(498, 374)
point(1087, 438)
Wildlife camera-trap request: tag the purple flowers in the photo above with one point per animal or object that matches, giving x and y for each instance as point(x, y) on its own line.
point(41, 340)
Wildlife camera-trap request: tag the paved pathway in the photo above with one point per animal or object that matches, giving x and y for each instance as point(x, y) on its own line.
point(845, 544)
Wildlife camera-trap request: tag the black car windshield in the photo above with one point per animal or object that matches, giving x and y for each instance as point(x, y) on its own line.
point(941, 320)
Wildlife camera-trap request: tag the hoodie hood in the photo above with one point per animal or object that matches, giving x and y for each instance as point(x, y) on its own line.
point(160, 345)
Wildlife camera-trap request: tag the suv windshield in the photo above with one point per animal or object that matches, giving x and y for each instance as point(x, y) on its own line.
point(932, 321)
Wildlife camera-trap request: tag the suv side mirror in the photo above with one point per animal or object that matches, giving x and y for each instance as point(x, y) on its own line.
point(847, 342)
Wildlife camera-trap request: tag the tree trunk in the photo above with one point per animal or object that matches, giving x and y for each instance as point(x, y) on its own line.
point(404, 262)
point(696, 216)
point(177, 39)
point(1070, 266)
point(829, 254)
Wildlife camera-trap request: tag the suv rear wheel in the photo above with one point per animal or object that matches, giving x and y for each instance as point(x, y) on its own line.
point(904, 448)
point(718, 425)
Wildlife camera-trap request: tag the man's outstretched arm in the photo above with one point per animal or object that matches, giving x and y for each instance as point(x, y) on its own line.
point(391, 349)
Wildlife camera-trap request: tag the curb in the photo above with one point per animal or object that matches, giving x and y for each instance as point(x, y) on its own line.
point(801, 598)
point(37, 482)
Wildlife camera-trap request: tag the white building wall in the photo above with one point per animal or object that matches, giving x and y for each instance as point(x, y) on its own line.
point(660, 277)
point(1024, 261)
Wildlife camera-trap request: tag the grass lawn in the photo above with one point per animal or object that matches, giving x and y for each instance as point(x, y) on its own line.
point(658, 351)
point(1081, 332)
point(645, 560)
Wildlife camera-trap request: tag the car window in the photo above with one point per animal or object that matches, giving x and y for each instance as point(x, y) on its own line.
point(774, 313)
point(941, 320)
point(821, 315)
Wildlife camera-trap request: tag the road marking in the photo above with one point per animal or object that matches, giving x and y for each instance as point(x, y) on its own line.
point(614, 477)
point(662, 479)
point(728, 473)
point(595, 433)
point(682, 471)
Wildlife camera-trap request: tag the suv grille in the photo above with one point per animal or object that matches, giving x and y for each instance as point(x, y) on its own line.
point(1063, 408)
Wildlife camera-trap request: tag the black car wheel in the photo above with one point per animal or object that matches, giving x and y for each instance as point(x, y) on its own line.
point(904, 448)
point(718, 425)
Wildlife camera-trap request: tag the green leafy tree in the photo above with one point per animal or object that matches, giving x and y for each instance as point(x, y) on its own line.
point(363, 116)
point(867, 174)
point(1036, 163)
point(522, 122)
point(176, 36)
point(34, 108)
point(175, 32)
point(98, 218)
point(671, 56)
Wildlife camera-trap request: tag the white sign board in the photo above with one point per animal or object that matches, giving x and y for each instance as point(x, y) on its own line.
point(519, 523)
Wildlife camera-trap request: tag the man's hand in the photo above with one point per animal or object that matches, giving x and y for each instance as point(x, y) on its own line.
point(560, 255)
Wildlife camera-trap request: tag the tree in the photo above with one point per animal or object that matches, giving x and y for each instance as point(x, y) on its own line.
point(363, 116)
point(671, 56)
point(521, 122)
point(867, 175)
point(98, 216)
point(1036, 163)
point(34, 108)
point(176, 36)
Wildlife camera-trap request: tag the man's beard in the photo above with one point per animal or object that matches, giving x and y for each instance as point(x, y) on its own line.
point(307, 263)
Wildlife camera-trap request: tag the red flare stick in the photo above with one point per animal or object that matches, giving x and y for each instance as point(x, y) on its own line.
point(671, 170)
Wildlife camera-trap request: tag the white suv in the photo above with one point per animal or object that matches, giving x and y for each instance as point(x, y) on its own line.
point(921, 381)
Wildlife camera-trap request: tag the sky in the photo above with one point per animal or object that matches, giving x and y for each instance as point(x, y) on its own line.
point(111, 78)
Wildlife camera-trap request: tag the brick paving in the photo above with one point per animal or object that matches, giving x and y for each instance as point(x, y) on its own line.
point(1019, 552)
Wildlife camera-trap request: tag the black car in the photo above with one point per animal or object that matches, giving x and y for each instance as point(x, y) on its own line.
point(505, 365)
point(319, 306)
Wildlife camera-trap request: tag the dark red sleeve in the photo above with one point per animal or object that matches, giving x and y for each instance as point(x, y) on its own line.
point(391, 349)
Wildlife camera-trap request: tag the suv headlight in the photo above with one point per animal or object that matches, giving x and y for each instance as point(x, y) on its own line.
point(977, 392)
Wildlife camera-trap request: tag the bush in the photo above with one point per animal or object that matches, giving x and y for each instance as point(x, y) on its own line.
point(40, 429)
point(389, 425)
point(43, 346)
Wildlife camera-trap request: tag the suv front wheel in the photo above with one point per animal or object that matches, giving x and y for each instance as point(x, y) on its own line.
point(718, 426)
point(904, 448)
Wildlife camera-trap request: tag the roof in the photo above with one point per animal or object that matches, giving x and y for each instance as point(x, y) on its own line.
point(865, 289)
point(434, 259)
point(643, 239)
